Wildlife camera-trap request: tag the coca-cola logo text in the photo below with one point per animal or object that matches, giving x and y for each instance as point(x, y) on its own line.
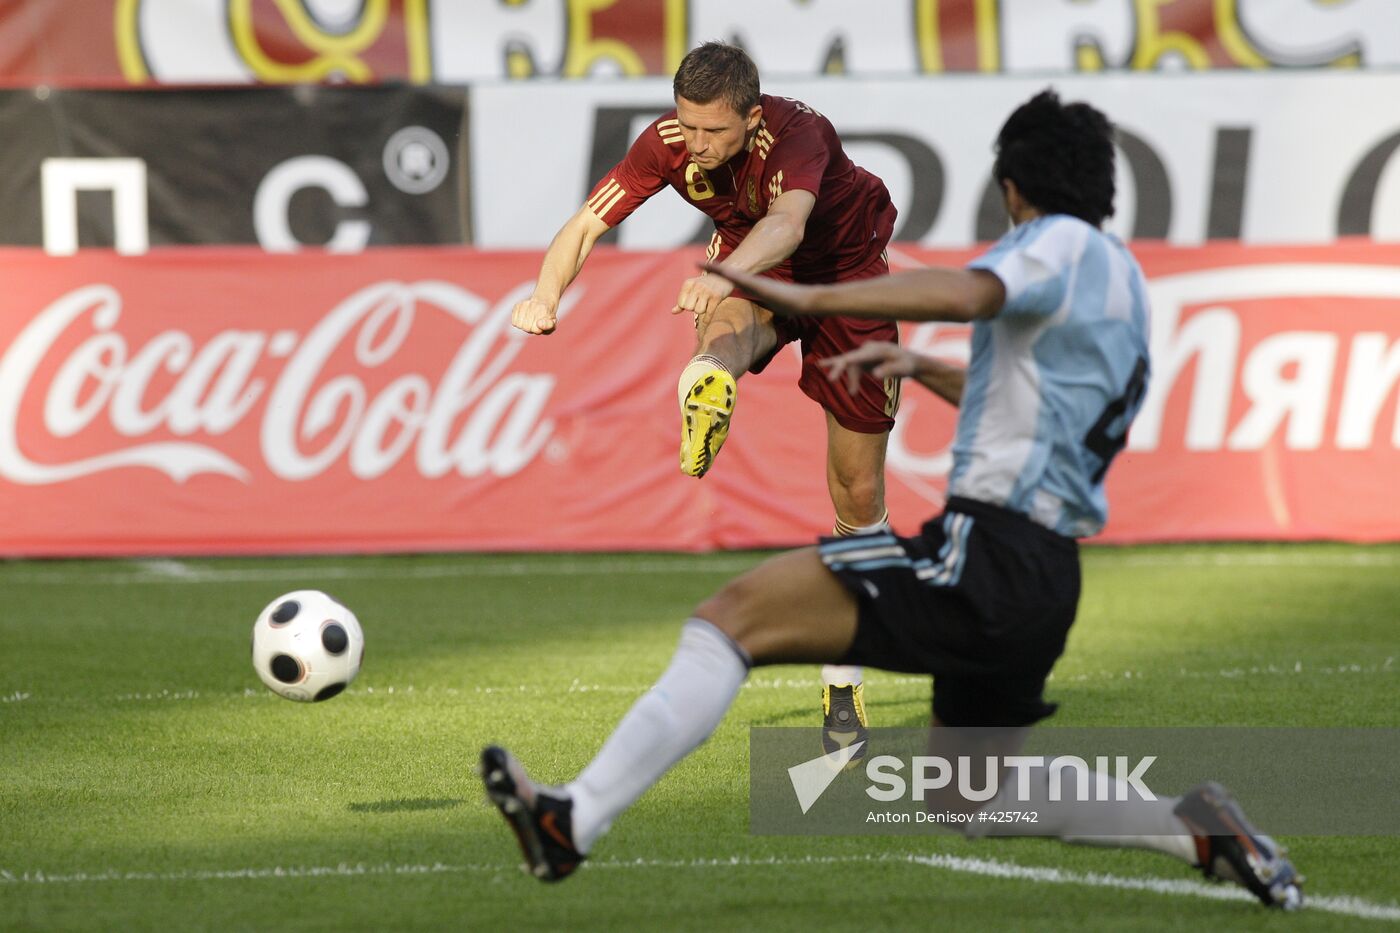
point(475, 417)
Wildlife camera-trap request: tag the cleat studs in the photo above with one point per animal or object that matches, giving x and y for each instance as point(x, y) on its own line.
point(697, 391)
point(496, 776)
point(511, 805)
point(709, 379)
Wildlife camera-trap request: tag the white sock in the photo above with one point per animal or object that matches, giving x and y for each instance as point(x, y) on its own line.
point(697, 367)
point(1129, 823)
point(661, 728)
point(838, 675)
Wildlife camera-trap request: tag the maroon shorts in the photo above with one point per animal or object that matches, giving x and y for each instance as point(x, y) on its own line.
point(869, 411)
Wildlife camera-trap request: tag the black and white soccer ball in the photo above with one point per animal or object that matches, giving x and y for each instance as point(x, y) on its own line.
point(307, 646)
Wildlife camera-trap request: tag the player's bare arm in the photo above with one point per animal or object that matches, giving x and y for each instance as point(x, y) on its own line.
point(890, 361)
point(538, 314)
point(936, 294)
point(774, 238)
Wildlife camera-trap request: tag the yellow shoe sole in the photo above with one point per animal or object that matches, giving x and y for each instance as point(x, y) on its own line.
point(706, 411)
point(844, 722)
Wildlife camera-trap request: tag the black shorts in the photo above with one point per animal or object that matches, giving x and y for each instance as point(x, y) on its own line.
point(982, 598)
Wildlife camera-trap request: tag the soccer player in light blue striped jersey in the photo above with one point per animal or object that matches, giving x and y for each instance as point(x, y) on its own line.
point(1056, 375)
point(984, 596)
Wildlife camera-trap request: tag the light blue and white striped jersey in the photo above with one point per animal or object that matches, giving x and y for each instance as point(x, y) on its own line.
point(1055, 377)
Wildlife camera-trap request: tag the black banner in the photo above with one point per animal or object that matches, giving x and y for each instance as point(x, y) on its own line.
point(342, 168)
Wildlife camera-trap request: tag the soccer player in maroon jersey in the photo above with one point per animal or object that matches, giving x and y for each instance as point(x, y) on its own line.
point(786, 201)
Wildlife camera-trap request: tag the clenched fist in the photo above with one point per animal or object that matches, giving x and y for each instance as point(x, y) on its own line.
point(534, 316)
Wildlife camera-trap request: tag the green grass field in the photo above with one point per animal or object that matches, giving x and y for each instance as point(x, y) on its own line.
point(149, 782)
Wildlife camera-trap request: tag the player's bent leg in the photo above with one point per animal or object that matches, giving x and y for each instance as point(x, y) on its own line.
point(737, 332)
point(790, 608)
point(729, 340)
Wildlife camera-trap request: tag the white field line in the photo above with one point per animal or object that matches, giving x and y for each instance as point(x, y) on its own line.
point(1130, 558)
point(756, 682)
point(178, 572)
point(166, 568)
point(164, 573)
point(1344, 905)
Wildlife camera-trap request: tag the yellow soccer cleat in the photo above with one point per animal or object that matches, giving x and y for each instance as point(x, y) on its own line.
point(708, 404)
point(843, 720)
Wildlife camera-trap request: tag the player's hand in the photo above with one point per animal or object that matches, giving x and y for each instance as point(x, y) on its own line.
point(881, 359)
point(701, 294)
point(534, 316)
point(772, 294)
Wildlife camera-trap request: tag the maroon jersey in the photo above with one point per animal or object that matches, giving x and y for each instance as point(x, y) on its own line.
point(794, 148)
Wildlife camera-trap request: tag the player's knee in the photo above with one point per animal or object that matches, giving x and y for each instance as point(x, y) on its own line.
point(859, 496)
point(740, 321)
point(733, 610)
point(724, 318)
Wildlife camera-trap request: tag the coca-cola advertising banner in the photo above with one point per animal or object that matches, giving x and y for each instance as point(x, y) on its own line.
point(342, 168)
point(451, 41)
point(230, 401)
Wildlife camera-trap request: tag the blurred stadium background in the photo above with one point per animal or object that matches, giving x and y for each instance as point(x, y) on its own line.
point(258, 258)
point(290, 232)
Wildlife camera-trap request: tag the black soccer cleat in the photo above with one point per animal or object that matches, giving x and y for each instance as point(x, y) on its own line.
point(1231, 849)
point(540, 816)
point(843, 720)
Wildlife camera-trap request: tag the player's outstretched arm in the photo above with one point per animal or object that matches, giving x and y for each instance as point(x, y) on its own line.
point(538, 314)
point(935, 294)
point(891, 361)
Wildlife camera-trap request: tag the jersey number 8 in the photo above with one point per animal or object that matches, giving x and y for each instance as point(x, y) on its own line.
point(697, 183)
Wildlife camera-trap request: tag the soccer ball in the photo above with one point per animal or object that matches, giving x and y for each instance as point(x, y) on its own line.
point(307, 646)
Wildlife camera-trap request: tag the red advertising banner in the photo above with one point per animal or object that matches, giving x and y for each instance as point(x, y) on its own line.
point(230, 401)
point(136, 42)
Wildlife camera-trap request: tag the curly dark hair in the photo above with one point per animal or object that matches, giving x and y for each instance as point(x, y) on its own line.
point(717, 71)
point(1060, 156)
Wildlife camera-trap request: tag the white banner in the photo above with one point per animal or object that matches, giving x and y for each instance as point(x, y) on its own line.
point(459, 41)
point(1264, 158)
